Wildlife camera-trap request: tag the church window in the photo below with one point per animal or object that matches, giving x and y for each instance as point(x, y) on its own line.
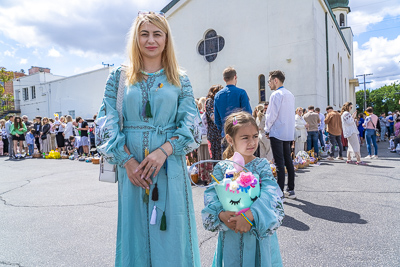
point(211, 45)
point(341, 20)
point(261, 88)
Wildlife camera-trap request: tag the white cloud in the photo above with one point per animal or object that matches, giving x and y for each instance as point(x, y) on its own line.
point(9, 53)
point(365, 13)
point(53, 53)
point(379, 56)
point(23, 61)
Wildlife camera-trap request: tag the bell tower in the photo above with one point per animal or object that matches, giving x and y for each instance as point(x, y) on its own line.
point(340, 8)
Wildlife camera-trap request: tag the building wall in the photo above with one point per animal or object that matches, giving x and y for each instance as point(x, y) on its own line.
point(79, 95)
point(8, 87)
point(286, 35)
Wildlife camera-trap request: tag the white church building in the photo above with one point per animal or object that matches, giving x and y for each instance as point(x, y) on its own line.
point(309, 40)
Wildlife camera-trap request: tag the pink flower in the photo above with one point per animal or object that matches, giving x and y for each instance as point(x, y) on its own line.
point(245, 179)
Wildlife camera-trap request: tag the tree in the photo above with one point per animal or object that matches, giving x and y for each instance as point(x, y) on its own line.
point(383, 99)
point(5, 76)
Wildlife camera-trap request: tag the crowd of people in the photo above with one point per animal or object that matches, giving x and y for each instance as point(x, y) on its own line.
point(22, 138)
point(335, 130)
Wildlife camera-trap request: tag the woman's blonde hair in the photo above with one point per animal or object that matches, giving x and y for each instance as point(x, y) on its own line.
point(69, 118)
point(299, 108)
point(240, 118)
point(2, 122)
point(202, 103)
point(168, 58)
point(346, 107)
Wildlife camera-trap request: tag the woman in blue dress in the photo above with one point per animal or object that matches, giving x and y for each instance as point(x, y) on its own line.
point(156, 222)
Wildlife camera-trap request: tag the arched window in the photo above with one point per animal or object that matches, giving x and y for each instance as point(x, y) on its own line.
point(211, 45)
point(342, 20)
point(261, 88)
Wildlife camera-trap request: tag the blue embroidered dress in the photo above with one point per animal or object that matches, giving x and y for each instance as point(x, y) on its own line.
point(258, 247)
point(174, 113)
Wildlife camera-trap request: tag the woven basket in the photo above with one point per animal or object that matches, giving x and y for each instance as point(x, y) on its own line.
point(95, 160)
point(36, 155)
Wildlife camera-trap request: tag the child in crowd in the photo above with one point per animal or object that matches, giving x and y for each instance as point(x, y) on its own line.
point(70, 145)
point(30, 140)
point(249, 239)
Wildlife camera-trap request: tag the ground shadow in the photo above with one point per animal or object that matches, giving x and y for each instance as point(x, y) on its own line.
point(380, 167)
point(294, 224)
point(302, 171)
point(327, 213)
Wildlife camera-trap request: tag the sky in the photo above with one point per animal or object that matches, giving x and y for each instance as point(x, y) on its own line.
point(72, 37)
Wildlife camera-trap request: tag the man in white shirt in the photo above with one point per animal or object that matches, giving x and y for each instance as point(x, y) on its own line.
point(9, 136)
point(321, 127)
point(280, 127)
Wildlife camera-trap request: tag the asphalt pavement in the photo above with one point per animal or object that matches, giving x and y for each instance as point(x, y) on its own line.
point(56, 213)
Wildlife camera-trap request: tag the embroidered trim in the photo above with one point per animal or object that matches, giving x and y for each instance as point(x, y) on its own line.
point(185, 174)
point(241, 250)
point(124, 161)
point(152, 73)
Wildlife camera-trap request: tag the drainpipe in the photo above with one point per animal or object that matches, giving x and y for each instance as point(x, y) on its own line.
point(327, 58)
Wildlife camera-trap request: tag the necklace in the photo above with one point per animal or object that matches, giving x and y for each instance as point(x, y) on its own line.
point(152, 73)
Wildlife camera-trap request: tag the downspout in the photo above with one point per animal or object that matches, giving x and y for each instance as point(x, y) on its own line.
point(327, 58)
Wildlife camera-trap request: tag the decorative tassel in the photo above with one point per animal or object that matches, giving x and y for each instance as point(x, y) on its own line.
point(148, 110)
point(166, 166)
point(163, 225)
point(146, 198)
point(153, 215)
point(154, 195)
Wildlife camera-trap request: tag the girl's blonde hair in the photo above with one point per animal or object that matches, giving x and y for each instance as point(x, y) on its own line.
point(168, 58)
point(260, 111)
point(202, 103)
point(241, 118)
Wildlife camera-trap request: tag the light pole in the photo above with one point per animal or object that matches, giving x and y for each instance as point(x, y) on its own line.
point(365, 89)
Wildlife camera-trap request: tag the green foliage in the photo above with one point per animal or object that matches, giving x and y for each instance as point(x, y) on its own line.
point(384, 99)
point(5, 76)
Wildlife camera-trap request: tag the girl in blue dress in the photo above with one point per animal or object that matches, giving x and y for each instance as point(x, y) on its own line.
point(248, 240)
point(156, 222)
point(360, 127)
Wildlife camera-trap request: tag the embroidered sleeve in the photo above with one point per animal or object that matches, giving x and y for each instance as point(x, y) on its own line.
point(267, 210)
point(188, 121)
point(347, 118)
point(212, 205)
point(110, 140)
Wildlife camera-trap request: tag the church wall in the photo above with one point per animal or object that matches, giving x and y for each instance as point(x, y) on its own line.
point(286, 35)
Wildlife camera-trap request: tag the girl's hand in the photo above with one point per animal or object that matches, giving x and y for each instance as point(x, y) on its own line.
point(21, 129)
point(17, 135)
point(134, 176)
point(152, 163)
point(225, 217)
point(242, 225)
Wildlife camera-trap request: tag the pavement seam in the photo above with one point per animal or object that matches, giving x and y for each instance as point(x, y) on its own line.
point(10, 263)
point(205, 240)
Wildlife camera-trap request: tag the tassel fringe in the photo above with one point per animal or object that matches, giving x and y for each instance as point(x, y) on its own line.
point(154, 195)
point(148, 110)
point(163, 225)
point(154, 216)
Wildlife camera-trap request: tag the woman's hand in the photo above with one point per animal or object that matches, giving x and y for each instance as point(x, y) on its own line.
point(21, 129)
point(134, 176)
point(225, 217)
point(151, 164)
point(17, 135)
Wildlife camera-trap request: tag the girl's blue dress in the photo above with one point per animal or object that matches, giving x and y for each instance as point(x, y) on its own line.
point(174, 112)
point(361, 127)
point(259, 246)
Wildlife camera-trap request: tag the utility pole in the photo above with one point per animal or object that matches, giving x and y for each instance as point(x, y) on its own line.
point(365, 89)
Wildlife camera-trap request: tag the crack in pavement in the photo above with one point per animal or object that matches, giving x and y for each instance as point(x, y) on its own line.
point(10, 263)
point(205, 240)
point(46, 206)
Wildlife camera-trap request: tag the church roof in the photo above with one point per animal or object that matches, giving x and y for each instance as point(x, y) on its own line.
point(169, 6)
point(338, 3)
